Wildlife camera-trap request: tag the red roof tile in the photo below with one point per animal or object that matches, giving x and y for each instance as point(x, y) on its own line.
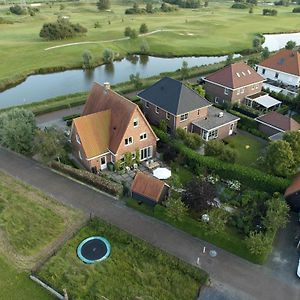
point(147, 186)
point(280, 121)
point(287, 61)
point(235, 76)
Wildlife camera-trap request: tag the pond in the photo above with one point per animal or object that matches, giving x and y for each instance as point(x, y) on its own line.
point(278, 41)
point(40, 87)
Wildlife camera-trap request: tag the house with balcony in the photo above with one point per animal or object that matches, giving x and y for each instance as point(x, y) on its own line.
point(233, 84)
point(109, 127)
point(181, 107)
point(282, 67)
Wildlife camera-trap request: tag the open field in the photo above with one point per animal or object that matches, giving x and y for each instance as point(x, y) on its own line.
point(206, 31)
point(134, 270)
point(30, 222)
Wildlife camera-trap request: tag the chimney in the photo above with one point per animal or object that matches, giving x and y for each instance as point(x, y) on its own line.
point(106, 85)
point(221, 114)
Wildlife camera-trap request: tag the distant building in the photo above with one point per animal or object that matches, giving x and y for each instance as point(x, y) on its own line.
point(233, 83)
point(284, 67)
point(181, 107)
point(109, 127)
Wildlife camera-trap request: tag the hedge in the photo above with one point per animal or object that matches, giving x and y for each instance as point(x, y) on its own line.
point(250, 177)
point(103, 184)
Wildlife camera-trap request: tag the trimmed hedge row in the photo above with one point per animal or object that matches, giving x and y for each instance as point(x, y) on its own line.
point(103, 184)
point(249, 176)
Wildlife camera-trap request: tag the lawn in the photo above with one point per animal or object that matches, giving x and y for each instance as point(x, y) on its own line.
point(134, 270)
point(30, 222)
point(217, 29)
point(248, 148)
point(16, 285)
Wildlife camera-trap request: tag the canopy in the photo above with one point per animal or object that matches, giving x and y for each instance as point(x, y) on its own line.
point(266, 101)
point(162, 173)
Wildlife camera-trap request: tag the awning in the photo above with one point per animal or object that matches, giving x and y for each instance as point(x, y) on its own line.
point(267, 101)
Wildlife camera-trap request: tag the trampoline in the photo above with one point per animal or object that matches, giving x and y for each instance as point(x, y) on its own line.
point(93, 249)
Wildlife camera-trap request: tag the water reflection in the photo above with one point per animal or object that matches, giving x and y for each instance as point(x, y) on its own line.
point(144, 59)
point(109, 68)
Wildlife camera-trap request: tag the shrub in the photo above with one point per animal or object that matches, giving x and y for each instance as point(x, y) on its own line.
point(296, 10)
point(214, 148)
point(97, 181)
point(180, 133)
point(18, 10)
point(269, 12)
point(228, 155)
point(163, 125)
point(239, 5)
point(4, 21)
point(103, 4)
point(143, 28)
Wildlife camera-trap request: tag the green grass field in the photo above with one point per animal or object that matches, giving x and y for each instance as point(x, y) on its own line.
point(217, 29)
point(134, 270)
point(248, 148)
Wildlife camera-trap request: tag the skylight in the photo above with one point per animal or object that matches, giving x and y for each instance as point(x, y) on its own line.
point(249, 72)
point(244, 73)
point(238, 75)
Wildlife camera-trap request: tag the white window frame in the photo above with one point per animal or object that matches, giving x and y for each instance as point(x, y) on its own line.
point(129, 141)
point(77, 138)
point(184, 117)
point(148, 151)
point(167, 115)
point(136, 120)
point(143, 136)
point(226, 91)
point(212, 134)
point(80, 155)
point(216, 99)
point(157, 109)
point(242, 90)
point(146, 104)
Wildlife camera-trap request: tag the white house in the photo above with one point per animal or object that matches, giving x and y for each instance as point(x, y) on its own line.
point(283, 66)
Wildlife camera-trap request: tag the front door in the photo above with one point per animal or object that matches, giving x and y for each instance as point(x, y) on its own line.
point(231, 129)
point(103, 164)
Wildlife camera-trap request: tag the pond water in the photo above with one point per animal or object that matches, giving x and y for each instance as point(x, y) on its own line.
point(278, 41)
point(39, 87)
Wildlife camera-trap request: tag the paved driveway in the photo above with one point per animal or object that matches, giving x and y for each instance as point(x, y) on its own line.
point(229, 273)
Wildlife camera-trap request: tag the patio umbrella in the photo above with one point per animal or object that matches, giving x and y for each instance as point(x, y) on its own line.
point(162, 173)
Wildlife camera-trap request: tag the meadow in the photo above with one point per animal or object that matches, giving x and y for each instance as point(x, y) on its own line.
point(134, 270)
point(214, 30)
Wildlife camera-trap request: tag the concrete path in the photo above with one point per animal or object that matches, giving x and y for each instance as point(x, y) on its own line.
point(228, 272)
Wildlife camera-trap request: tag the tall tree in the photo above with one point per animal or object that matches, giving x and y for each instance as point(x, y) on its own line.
point(87, 59)
point(265, 53)
point(136, 80)
point(280, 159)
point(17, 130)
point(108, 56)
point(290, 45)
point(184, 70)
point(217, 220)
point(293, 138)
point(258, 243)
point(176, 209)
point(103, 4)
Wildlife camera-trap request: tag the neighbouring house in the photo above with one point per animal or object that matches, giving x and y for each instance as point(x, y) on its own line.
point(274, 125)
point(292, 194)
point(181, 107)
point(148, 189)
point(233, 83)
point(109, 127)
point(283, 67)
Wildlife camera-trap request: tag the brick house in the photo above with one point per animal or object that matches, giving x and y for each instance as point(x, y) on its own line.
point(170, 100)
point(109, 127)
point(274, 125)
point(284, 66)
point(233, 83)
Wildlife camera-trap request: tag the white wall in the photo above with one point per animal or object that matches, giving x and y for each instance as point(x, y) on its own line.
point(284, 77)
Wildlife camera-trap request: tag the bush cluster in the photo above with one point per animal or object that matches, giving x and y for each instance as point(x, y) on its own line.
point(248, 176)
point(239, 5)
point(61, 29)
point(192, 140)
point(185, 3)
point(218, 149)
point(97, 181)
point(296, 10)
point(18, 10)
point(269, 12)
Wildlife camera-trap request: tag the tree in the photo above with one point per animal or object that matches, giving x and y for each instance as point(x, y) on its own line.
point(136, 80)
point(163, 125)
point(251, 10)
point(176, 209)
point(277, 213)
point(184, 70)
point(103, 4)
point(214, 148)
point(174, 181)
point(265, 53)
point(199, 195)
point(149, 8)
point(51, 144)
point(293, 138)
point(280, 159)
point(133, 34)
point(144, 46)
point(108, 56)
point(87, 59)
point(218, 218)
point(17, 130)
point(200, 90)
point(256, 43)
point(229, 59)
point(258, 243)
point(143, 28)
point(127, 31)
point(290, 45)
point(206, 3)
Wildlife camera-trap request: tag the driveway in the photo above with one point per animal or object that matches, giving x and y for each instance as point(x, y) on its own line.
point(230, 274)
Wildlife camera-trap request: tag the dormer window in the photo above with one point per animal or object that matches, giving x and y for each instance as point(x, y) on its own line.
point(238, 75)
point(249, 72)
point(128, 141)
point(135, 123)
point(244, 73)
point(77, 138)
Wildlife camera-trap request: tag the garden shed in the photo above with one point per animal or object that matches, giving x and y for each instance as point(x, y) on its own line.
point(148, 189)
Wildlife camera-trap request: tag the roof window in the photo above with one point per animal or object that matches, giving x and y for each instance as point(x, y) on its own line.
point(249, 72)
point(238, 75)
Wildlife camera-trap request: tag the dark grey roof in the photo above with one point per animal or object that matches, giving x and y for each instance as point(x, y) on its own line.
point(213, 119)
point(173, 96)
